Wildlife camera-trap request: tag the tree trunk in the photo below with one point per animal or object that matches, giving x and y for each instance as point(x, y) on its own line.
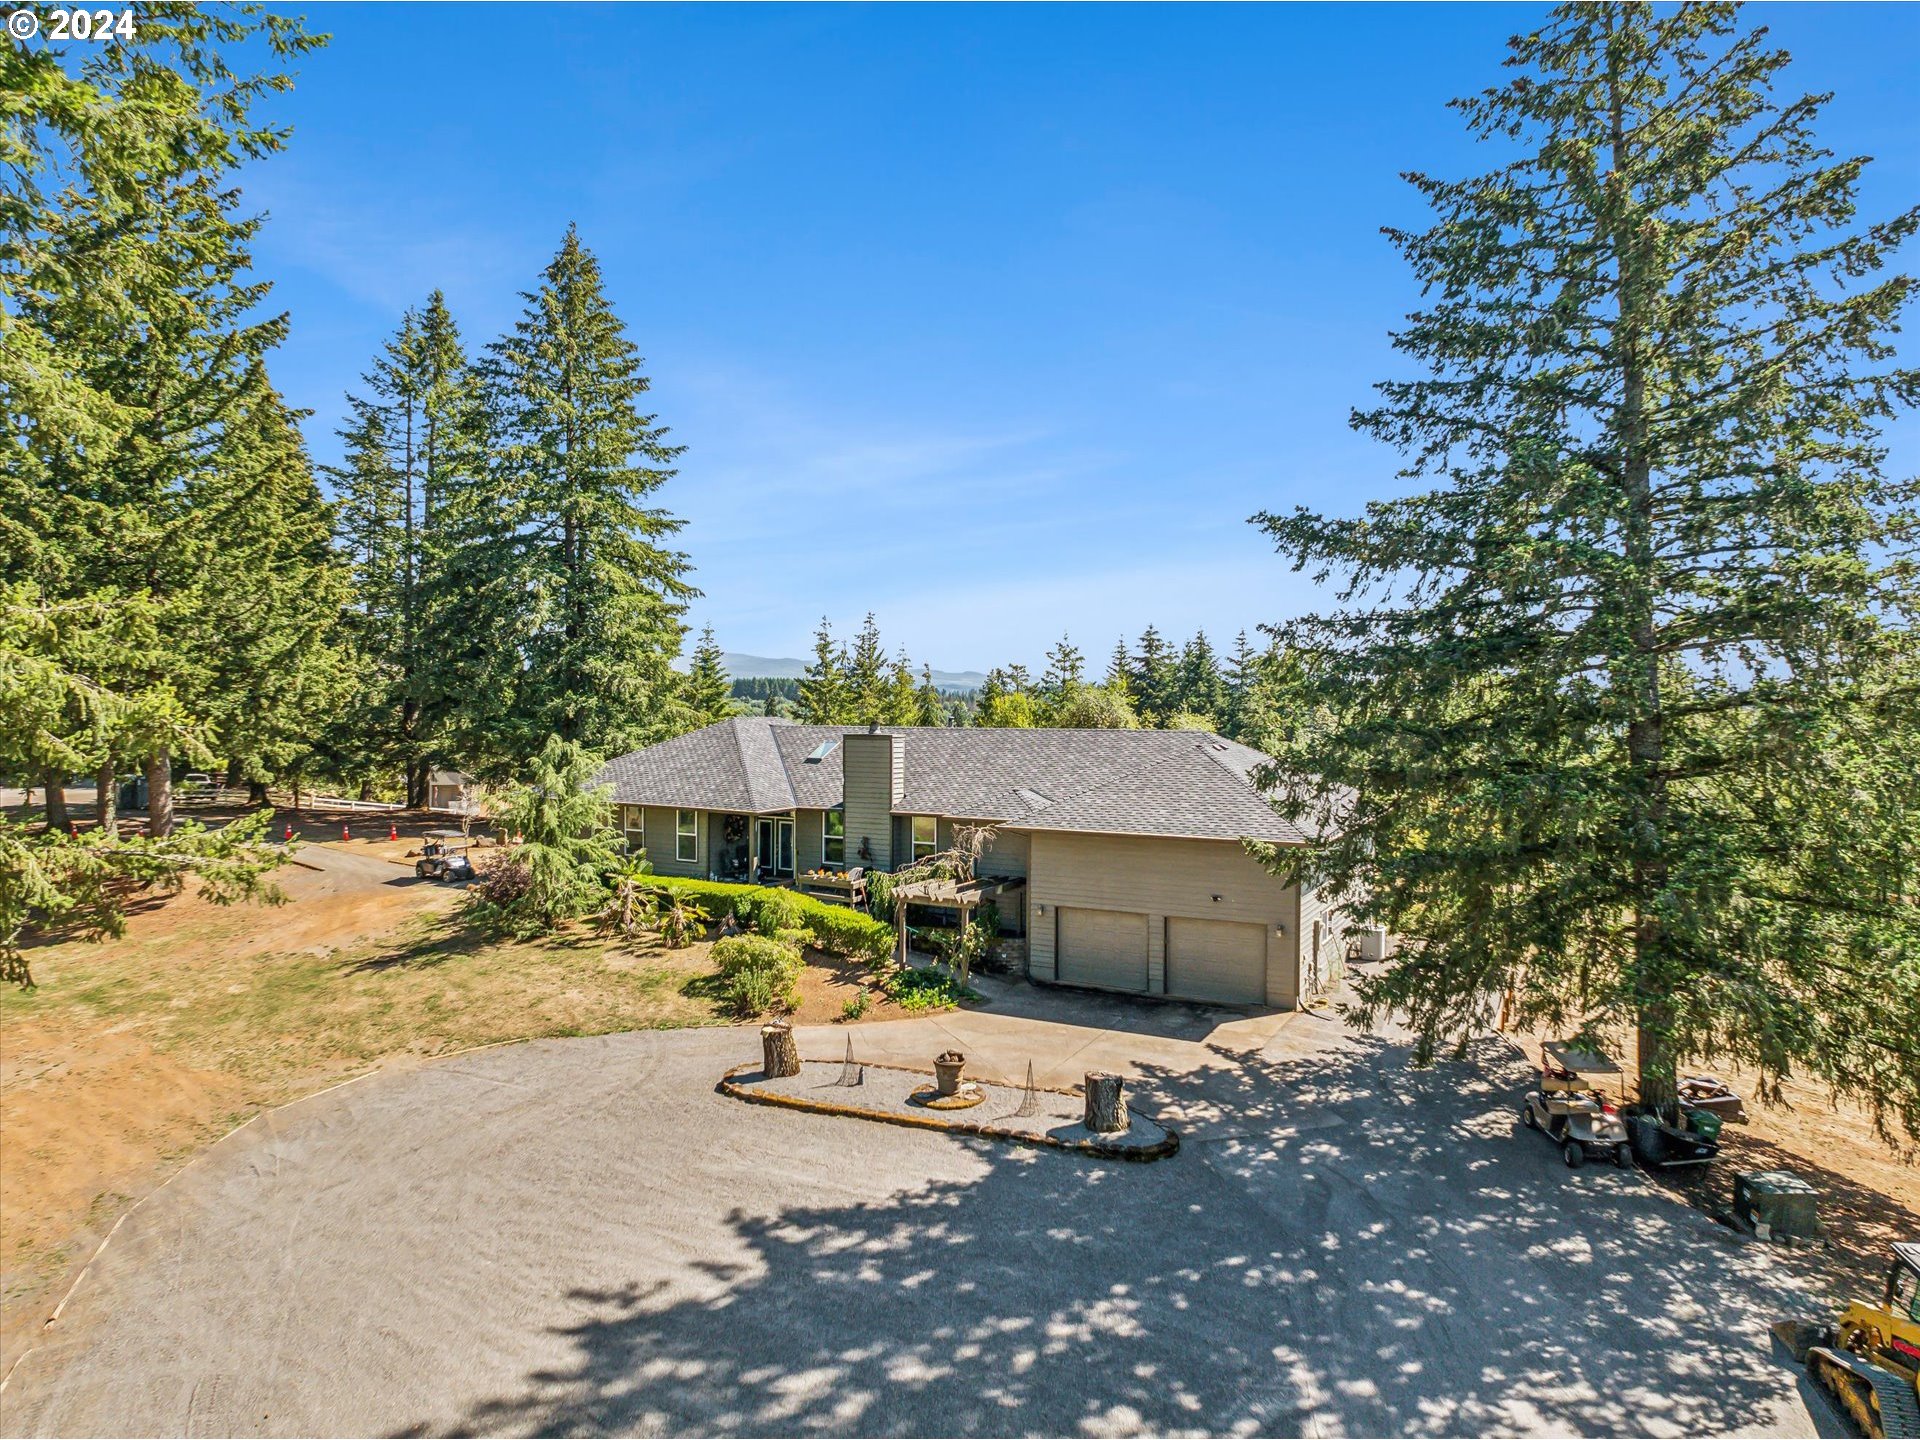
point(106, 802)
point(256, 793)
point(1106, 1104)
point(160, 794)
point(1646, 737)
point(56, 787)
point(417, 773)
point(780, 1052)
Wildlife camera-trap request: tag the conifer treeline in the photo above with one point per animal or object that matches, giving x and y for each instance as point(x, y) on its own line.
point(1152, 685)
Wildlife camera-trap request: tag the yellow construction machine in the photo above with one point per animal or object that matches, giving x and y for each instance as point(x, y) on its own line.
point(1869, 1362)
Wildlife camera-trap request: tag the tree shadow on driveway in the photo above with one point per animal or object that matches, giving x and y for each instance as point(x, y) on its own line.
point(1349, 1246)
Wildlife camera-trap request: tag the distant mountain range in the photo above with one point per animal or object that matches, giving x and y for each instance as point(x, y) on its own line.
point(766, 667)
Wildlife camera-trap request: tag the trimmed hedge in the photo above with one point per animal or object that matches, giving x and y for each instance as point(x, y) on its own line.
point(835, 929)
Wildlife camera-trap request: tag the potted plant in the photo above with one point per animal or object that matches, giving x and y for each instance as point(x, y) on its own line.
point(946, 1071)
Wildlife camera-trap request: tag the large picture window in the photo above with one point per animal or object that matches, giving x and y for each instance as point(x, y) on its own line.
point(686, 836)
point(926, 836)
point(833, 838)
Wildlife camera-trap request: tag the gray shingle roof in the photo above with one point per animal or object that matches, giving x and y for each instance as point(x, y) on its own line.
point(1128, 782)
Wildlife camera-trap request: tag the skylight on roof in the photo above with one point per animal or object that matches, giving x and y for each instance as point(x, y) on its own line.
point(821, 751)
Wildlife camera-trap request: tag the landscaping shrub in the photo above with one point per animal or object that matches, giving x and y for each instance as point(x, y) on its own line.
point(751, 993)
point(678, 919)
point(777, 910)
point(932, 989)
point(754, 952)
point(856, 1006)
point(758, 974)
point(880, 896)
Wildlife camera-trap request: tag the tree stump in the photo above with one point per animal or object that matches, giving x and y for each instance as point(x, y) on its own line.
point(779, 1050)
point(1106, 1104)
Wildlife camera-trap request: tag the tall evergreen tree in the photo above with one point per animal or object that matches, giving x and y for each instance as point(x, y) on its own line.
point(1155, 678)
point(135, 332)
point(868, 699)
point(1119, 676)
point(1241, 675)
point(709, 692)
point(1202, 689)
point(1620, 737)
point(903, 698)
point(1066, 669)
point(274, 593)
point(930, 707)
point(578, 466)
point(823, 691)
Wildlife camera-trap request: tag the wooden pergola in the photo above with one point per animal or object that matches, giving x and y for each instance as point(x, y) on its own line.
point(966, 896)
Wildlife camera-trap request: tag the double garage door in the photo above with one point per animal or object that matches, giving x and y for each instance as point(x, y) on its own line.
point(1217, 960)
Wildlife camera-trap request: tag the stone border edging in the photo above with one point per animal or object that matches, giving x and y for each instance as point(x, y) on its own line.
point(1159, 1150)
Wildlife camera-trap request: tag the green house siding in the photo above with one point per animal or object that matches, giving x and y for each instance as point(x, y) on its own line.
point(661, 846)
point(873, 768)
point(807, 832)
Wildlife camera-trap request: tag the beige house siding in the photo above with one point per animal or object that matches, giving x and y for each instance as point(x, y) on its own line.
point(661, 837)
point(1314, 910)
point(1159, 878)
point(1007, 854)
point(874, 771)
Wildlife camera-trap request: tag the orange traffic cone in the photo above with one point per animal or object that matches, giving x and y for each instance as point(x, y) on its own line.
point(345, 833)
point(289, 834)
point(73, 828)
point(393, 831)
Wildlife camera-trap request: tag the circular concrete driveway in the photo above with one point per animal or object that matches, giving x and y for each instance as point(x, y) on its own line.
point(582, 1237)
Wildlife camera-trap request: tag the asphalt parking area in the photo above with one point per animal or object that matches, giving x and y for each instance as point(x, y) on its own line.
point(582, 1236)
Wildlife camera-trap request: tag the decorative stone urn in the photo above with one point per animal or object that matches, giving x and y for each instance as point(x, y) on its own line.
point(946, 1072)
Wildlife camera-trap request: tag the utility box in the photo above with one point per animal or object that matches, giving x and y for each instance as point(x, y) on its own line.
point(1376, 944)
point(1776, 1204)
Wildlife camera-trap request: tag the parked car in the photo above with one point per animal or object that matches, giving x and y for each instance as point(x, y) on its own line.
point(196, 780)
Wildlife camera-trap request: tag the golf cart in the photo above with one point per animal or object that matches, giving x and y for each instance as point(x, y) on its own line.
point(444, 856)
point(1586, 1124)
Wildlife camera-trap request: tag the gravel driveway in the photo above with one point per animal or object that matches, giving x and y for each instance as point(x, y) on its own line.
point(582, 1236)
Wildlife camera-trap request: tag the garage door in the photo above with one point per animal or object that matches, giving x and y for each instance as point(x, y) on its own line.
point(1217, 960)
point(1107, 948)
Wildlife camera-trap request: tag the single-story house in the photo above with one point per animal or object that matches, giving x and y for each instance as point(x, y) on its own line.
point(1128, 841)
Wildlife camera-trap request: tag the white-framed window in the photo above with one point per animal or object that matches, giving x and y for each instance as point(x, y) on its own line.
point(926, 836)
point(686, 836)
point(833, 838)
point(634, 822)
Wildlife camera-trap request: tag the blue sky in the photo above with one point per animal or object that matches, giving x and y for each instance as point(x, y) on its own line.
point(997, 322)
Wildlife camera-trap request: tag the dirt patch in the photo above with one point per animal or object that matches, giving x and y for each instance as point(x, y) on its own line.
point(1869, 1194)
point(831, 982)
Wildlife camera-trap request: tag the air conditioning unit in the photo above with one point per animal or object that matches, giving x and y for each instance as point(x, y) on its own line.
point(1375, 944)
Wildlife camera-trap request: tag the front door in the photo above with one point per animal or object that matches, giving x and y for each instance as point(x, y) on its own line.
point(776, 845)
